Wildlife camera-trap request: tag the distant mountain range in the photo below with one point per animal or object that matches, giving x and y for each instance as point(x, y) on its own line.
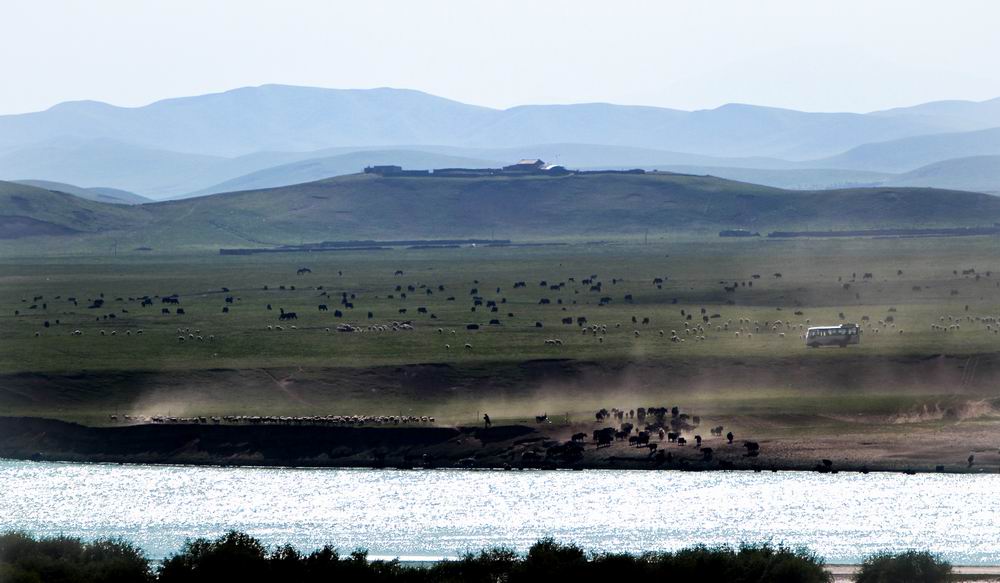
point(278, 135)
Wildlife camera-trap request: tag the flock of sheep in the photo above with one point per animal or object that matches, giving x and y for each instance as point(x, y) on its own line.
point(325, 420)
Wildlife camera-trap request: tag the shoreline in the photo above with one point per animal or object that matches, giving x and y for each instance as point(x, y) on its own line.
point(508, 447)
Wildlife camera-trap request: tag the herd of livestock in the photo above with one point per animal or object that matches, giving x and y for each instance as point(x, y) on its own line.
point(322, 420)
point(695, 325)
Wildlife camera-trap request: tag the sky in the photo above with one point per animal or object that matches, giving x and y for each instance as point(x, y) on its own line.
point(839, 55)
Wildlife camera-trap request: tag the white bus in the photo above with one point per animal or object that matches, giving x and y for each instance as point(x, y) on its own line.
point(833, 335)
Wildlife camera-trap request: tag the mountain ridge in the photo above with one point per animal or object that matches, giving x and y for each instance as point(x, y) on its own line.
point(190, 145)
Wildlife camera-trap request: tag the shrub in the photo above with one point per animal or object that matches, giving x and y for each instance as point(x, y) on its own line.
point(547, 559)
point(58, 559)
point(234, 556)
point(906, 567)
point(488, 566)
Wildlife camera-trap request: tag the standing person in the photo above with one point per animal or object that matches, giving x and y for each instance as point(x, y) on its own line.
point(486, 420)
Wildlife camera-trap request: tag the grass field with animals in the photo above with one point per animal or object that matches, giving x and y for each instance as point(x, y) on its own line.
point(665, 309)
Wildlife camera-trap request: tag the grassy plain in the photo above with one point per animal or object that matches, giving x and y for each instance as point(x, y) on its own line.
point(250, 368)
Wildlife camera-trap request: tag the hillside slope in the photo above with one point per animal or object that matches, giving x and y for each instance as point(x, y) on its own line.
point(580, 207)
point(908, 154)
point(96, 194)
point(28, 211)
point(978, 173)
point(338, 165)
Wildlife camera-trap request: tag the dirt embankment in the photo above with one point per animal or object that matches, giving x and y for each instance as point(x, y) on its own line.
point(847, 446)
point(284, 445)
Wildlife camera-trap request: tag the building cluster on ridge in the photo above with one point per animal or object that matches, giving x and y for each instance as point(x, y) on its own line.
point(528, 166)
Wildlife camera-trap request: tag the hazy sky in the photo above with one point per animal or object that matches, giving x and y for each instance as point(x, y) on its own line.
point(839, 55)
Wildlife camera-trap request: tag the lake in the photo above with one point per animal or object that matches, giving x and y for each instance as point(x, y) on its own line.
point(430, 514)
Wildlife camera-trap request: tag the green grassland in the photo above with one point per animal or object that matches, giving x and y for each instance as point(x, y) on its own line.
point(509, 368)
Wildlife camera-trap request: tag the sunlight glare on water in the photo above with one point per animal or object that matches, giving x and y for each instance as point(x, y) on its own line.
point(442, 513)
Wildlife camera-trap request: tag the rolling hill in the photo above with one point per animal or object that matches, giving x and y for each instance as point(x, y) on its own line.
point(580, 207)
point(908, 154)
point(97, 193)
point(32, 212)
point(791, 178)
point(319, 168)
point(978, 173)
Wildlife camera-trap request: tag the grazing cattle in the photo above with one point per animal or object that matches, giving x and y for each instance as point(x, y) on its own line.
point(543, 418)
point(567, 320)
point(165, 311)
point(604, 437)
point(225, 309)
point(288, 316)
point(753, 448)
point(472, 326)
point(681, 441)
point(338, 314)
point(323, 308)
point(579, 437)
point(303, 270)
